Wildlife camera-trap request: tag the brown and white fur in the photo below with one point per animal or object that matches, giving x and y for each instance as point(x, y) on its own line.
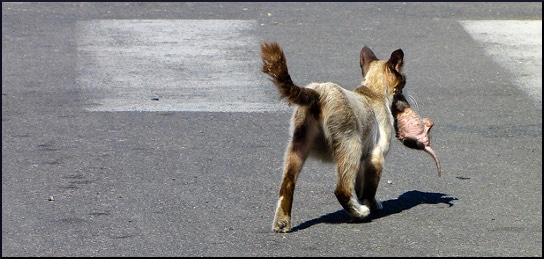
point(350, 128)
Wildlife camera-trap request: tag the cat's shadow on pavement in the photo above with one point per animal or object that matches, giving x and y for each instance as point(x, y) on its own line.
point(405, 201)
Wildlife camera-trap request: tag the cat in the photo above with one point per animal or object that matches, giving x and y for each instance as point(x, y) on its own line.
point(352, 129)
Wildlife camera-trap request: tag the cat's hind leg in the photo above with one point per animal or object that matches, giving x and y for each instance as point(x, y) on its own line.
point(304, 131)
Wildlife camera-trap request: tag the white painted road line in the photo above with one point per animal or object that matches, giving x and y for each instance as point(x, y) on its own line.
point(214, 65)
point(517, 46)
point(173, 65)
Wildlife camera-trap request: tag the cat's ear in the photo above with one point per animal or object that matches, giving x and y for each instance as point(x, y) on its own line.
point(366, 57)
point(396, 60)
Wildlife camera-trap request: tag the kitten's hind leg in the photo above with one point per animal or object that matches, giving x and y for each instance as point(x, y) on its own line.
point(348, 162)
point(359, 184)
point(372, 170)
point(294, 160)
point(295, 156)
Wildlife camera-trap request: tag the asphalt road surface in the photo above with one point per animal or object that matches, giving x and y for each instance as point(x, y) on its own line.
point(147, 129)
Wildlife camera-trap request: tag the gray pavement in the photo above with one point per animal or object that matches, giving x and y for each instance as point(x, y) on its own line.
point(78, 180)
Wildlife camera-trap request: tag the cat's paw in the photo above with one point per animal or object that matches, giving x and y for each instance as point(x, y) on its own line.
point(360, 213)
point(281, 226)
point(377, 205)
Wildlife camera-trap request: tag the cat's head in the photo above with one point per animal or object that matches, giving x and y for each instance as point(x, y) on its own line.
point(383, 76)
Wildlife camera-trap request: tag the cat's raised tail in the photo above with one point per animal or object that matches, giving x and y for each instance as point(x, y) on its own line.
point(275, 65)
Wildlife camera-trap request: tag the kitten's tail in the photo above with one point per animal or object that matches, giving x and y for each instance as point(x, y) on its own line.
point(274, 64)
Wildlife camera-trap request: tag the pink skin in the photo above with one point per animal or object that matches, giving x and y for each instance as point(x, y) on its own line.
point(411, 130)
